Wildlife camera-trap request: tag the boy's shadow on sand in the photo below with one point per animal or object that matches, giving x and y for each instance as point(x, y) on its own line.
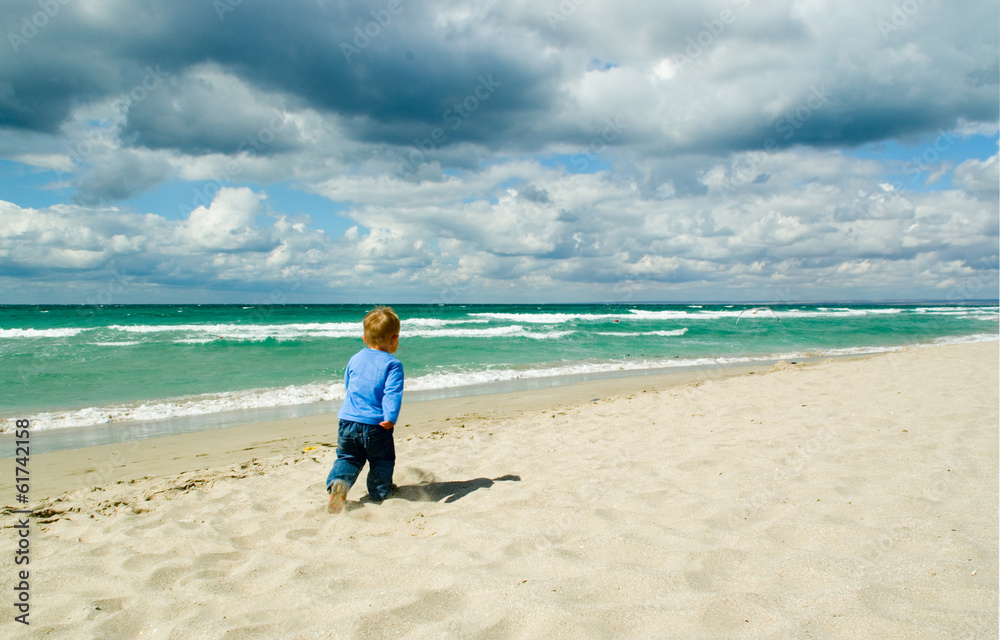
point(447, 491)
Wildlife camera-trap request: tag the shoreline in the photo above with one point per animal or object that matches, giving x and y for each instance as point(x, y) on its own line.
point(204, 449)
point(122, 432)
point(69, 428)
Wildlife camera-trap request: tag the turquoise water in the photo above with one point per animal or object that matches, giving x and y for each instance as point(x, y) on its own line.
point(68, 366)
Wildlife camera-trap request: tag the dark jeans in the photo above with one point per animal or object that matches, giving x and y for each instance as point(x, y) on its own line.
point(357, 443)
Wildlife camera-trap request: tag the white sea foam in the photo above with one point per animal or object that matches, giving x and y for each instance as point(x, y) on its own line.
point(818, 312)
point(41, 333)
point(204, 334)
point(198, 333)
point(439, 322)
point(832, 313)
point(979, 337)
point(201, 333)
point(632, 314)
point(547, 318)
point(677, 314)
point(448, 380)
point(955, 310)
point(255, 329)
point(185, 406)
point(629, 334)
point(511, 331)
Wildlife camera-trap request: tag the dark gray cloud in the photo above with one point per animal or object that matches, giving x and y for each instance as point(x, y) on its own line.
point(401, 76)
point(401, 81)
point(40, 87)
point(493, 78)
point(206, 111)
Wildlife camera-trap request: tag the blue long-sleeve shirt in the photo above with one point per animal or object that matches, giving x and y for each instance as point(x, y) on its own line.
point(374, 381)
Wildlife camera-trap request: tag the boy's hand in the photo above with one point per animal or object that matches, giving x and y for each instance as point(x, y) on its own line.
point(387, 425)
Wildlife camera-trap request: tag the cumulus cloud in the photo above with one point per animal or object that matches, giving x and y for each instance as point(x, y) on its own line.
point(120, 175)
point(508, 147)
point(231, 232)
point(778, 240)
point(228, 223)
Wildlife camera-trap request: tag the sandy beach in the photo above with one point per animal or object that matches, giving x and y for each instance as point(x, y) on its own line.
point(849, 498)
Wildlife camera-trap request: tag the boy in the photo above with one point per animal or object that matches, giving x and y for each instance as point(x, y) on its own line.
point(374, 380)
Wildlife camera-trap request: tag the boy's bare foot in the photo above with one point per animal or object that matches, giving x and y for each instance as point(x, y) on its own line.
point(338, 494)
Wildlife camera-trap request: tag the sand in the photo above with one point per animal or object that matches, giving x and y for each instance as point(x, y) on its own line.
point(855, 498)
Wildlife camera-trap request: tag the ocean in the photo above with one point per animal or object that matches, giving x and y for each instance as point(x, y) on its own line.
point(105, 373)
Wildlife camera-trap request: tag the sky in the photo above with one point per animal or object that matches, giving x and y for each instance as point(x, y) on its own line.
point(492, 151)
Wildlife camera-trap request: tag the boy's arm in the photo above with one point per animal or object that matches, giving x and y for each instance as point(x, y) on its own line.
point(392, 398)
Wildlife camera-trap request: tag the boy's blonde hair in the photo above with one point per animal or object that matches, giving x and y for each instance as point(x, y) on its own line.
point(381, 326)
